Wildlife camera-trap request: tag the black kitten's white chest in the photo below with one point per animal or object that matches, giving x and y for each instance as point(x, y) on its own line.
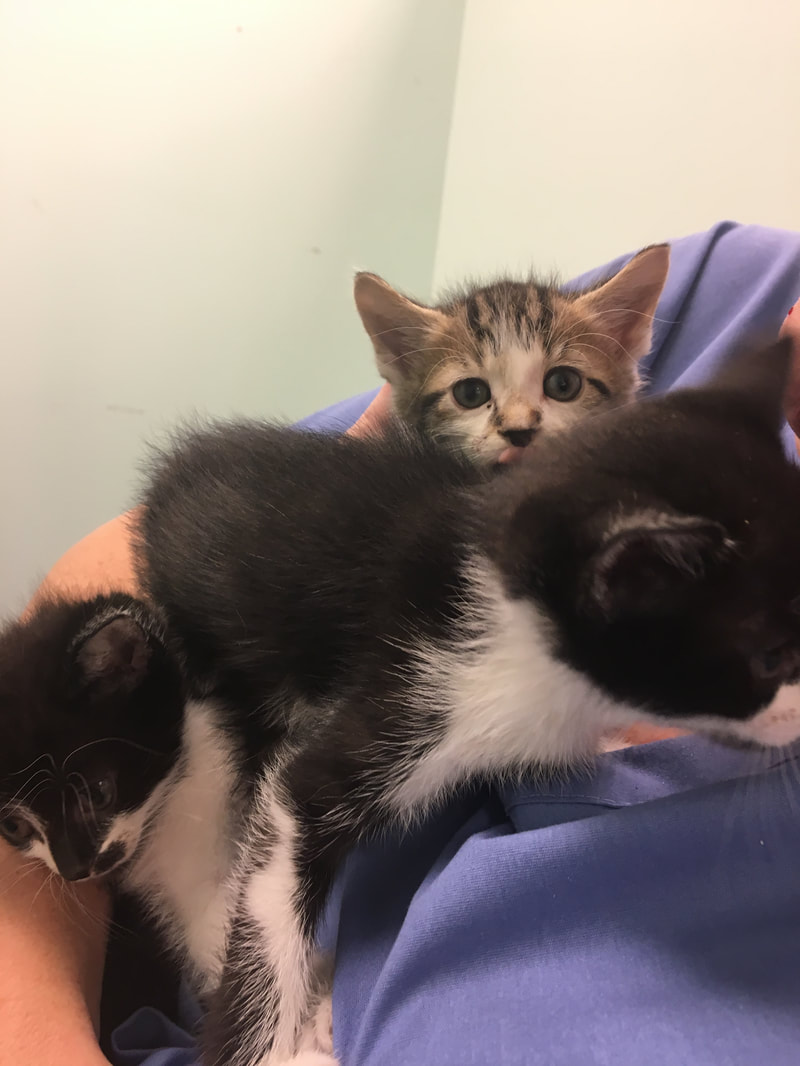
point(497, 699)
point(182, 870)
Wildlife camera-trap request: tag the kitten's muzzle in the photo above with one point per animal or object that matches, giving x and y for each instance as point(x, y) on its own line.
point(74, 869)
point(72, 857)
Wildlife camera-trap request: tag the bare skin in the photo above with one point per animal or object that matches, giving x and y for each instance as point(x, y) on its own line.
point(54, 940)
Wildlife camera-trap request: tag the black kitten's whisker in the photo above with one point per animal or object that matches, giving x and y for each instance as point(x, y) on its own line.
point(31, 783)
point(110, 740)
point(45, 755)
point(44, 884)
point(18, 875)
point(85, 808)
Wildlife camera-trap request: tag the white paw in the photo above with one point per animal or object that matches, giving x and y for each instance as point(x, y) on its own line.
point(312, 1058)
point(317, 1034)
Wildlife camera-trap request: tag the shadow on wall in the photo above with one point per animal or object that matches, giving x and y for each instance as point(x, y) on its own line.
point(189, 188)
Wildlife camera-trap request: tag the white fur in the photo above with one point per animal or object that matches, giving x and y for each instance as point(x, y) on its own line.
point(777, 724)
point(270, 896)
point(507, 704)
point(515, 379)
point(40, 849)
point(507, 701)
point(184, 864)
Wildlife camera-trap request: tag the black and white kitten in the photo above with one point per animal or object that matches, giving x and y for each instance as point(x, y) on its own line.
point(108, 767)
point(354, 629)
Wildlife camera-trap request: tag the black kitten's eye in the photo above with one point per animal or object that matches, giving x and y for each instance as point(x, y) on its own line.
point(16, 829)
point(471, 392)
point(102, 793)
point(767, 665)
point(562, 383)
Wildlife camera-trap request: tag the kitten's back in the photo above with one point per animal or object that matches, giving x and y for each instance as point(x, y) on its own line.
point(251, 532)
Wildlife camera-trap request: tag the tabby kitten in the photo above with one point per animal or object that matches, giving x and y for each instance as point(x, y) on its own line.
point(493, 368)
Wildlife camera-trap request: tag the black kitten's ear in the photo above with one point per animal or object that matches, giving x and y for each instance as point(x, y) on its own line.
point(396, 325)
point(116, 656)
point(647, 564)
point(759, 376)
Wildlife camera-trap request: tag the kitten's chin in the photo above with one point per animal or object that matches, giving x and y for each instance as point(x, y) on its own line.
point(511, 455)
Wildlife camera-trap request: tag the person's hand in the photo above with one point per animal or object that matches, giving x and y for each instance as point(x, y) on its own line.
point(374, 419)
point(791, 328)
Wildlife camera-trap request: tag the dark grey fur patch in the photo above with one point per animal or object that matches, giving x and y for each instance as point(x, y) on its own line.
point(601, 386)
point(427, 407)
point(476, 322)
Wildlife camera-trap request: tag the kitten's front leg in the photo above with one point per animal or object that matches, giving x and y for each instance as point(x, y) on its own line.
point(268, 988)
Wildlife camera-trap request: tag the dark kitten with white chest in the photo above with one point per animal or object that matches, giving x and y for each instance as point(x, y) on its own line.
point(362, 627)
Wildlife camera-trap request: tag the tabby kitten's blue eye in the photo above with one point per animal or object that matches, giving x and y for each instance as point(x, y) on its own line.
point(471, 392)
point(102, 793)
point(16, 829)
point(562, 383)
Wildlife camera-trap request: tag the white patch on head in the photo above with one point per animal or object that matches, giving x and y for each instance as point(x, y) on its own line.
point(514, 376)
point(508, 701)
point(182, 870)
point(40, 849)
point(515, 373)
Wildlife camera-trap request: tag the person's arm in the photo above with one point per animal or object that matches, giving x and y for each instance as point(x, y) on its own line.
point(54, 941)
point(54, 935)
point(791, 328)
point(101, 562)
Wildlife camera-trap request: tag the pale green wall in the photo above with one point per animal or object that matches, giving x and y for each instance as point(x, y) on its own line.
point(187, 186)
point(185, 190)
point(584, 128)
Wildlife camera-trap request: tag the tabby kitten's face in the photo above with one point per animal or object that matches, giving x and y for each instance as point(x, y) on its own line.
point(494, 368)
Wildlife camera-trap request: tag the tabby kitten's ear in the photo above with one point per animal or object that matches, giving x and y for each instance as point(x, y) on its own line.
point(625, 304)
point(397, 326)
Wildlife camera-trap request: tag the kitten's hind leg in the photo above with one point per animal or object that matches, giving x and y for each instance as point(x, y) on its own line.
point(269, 988)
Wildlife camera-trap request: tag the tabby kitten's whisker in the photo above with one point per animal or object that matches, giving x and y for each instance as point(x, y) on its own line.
point(497, 350)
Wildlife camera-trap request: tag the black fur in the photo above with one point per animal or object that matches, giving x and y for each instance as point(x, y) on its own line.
point(290, 564)
point(326, 562)
point(304, 582)
point(79, 718)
